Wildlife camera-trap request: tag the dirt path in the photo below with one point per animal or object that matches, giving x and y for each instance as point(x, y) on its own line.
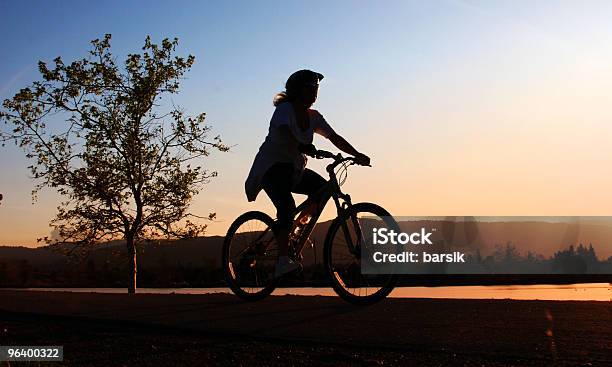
point(442, 332)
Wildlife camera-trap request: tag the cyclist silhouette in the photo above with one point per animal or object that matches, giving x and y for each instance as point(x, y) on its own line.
point(279, 168)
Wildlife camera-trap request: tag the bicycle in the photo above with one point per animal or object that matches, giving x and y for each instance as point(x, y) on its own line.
point(249, 269)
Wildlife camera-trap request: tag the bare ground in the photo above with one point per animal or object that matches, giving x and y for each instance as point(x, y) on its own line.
point(146, 329)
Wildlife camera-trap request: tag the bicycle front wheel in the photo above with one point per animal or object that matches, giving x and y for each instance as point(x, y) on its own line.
point(344, 243)
point(249, 256)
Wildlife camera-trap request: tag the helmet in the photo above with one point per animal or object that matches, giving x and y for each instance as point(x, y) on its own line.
point(302, 78)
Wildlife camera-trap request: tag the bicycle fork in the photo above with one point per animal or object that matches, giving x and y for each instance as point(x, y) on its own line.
point(343, 209)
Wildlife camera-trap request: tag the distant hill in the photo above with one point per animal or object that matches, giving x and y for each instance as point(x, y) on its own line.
point(166, 263)
point(542, 238)
point(538, 237)
point(40, 256)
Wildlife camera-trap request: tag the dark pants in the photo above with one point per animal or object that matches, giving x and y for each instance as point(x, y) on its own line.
point(277, 183)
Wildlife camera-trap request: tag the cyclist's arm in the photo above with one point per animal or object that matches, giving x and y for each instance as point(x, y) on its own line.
point(342, 144)
point(324, 129)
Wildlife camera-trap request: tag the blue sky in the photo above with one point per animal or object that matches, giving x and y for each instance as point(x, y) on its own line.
point(434, 87)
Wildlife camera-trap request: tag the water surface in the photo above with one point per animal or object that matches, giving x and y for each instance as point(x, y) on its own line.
point(571, 292)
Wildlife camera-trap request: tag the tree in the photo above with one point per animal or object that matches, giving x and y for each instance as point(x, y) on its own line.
point(96, 133)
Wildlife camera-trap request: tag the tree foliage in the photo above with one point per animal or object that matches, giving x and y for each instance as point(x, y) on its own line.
point(95, 132)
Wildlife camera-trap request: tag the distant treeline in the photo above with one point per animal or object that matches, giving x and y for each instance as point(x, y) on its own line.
point(507, 259)
point(107, 267)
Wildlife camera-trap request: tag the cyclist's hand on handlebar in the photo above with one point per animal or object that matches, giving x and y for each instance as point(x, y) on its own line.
point(307, 149)
point(362, 159)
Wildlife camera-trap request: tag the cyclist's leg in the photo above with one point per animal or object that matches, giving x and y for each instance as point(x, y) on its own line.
point(277, 182)
point(310, 184)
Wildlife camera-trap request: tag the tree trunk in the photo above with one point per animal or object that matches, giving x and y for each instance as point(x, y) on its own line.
point(132, 265)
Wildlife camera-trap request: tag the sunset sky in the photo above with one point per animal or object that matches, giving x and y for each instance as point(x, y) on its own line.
point(476, 108)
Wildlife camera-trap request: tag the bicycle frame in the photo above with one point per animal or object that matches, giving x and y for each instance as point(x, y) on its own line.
point(331, 190)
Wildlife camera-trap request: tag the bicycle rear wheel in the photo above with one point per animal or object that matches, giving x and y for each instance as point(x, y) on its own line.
point(249, 256)
point(342, 255)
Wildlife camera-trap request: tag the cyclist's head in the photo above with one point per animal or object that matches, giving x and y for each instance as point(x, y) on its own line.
point(302, 85)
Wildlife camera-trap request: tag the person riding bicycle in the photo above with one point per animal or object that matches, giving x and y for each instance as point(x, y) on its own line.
point(279, 168)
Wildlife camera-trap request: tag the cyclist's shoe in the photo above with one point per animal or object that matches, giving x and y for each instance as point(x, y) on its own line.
point(285, 265)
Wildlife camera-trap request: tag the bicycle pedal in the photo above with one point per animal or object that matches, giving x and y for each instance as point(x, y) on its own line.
point(297, 258)
point(294, 276)
point(299, 270)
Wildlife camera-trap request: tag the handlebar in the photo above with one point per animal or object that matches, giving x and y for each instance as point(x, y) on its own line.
point(338, 158)
point(321, 154)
